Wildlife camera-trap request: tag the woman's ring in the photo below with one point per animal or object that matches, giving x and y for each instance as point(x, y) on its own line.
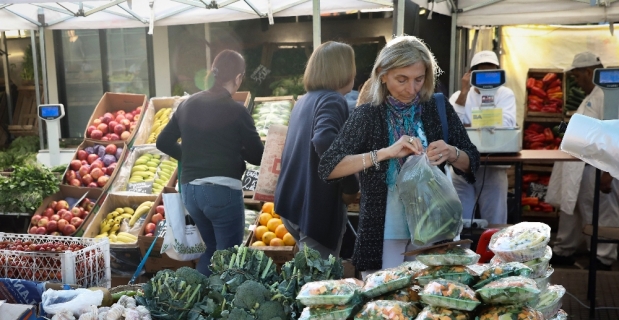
point(440, 155)
point(411, 139)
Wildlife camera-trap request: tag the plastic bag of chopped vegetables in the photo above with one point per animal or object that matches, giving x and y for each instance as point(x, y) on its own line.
point(413, 266)
point(327, 292)
point(550, 301)
point(510, 290)
point(439, 313)
point(383, 281)
point(543, 282)
point(448, 256)
point(449, 294)
point(538, 266)
point(508, 312)
point(561, 315)
point(521, 242)
point(503, 270)
point(456, 273)
point(433, 209)
point(329, 312)
point(384, 309)
point(408, 294)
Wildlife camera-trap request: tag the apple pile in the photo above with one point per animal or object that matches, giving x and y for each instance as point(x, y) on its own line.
point(93, 166)
point(114, 126)
point(159, 215)
point(59, 220)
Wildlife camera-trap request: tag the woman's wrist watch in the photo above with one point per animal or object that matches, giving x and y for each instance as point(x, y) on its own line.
point(457, 156)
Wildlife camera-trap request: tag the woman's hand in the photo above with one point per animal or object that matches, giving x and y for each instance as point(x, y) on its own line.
point(405, 146)
point(439, 152)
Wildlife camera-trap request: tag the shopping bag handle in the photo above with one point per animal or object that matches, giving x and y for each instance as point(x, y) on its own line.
point(143, 262)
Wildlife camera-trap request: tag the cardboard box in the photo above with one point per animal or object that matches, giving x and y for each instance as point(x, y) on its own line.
point(111, 102)
point(173, 180)
point(243, 97)
point(148, 116)
point(17, 311)
point(90, 143)
point(157, 261)
point(73, 192)
point(112, 202)
point(123, 175)
point(122, 280)
point(280, 255)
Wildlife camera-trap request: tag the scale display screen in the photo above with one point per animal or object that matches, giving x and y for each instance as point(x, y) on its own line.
point(606, 78)
point(488, 79)
point(609, 76)
point(48, 112)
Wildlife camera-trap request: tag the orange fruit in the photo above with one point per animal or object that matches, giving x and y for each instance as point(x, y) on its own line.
point(280, 231)
point(289, 239)
point(258, 244)
point(267, 207)
point(264, 218)
point(275, 215)
point(268, 236)
point(276, 242)
point(259, 232)
point(273, 223)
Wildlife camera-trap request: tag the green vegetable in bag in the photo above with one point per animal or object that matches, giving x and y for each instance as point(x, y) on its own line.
point(456, 273)
point(510, 290)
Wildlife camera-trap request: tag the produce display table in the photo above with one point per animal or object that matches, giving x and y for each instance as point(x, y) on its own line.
point(517, 160)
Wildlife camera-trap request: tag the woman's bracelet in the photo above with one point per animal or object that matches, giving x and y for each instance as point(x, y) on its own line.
point(363, 157)
point(457, 156)
point(374, 156)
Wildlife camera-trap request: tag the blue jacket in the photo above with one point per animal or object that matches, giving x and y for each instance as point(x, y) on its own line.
point(301, 196)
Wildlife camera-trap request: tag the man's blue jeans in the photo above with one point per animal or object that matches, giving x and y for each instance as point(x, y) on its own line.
point(219, 214)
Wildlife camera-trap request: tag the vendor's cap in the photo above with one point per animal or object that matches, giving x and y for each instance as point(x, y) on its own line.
point(485, 57)
point(585, 59)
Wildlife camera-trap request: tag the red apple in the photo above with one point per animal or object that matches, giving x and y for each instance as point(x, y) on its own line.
point(119, 117)
point(95, 174)
point(114, 137)
point(110, 149)
point(90, 129)
point(70, 175)
point(62, 223)
point(120, 112)
point(52, 204)
point(49, 212)
point(125, 122)
point(75, 183)
point(112, 124)
point(35, 219)
point(93, 185)
point(160, 209)
point(54, 217)
point(91, 158)
point(66, 216)
point(84, 170)
point(96, 122)
point(41, 230)
point(68, 230)
point(96, 164)
point(150, 227)
point(43, 222)
point(156, 218)
point(76, 211)
point(33, 230)
point(75, 164)
point(84, 162)
point(138, 110)
point(110, 169)
point(52, 226)
point(132, 127)
point(129, 116)
point(76, 221)
point(84, 214)
point(106, 138)
point(119, 129)
point(96, 134)
point(55, 233)
point(125, 135)
point(102, 181)
point(61, 212)
point(81, 155)
point(103, 128)
point(136, 118)
point(87, 178)
point(90, 205)
point(62, 205)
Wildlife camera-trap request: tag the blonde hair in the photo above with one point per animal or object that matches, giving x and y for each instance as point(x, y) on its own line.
point(365, 95)
point(402, 52)
point(330, 67)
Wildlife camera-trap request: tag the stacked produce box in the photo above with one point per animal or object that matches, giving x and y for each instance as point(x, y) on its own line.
point(271, 110)
point(545, 94)
point(270, 235)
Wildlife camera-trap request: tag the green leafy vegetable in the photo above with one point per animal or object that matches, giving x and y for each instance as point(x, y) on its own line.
point(26, 187)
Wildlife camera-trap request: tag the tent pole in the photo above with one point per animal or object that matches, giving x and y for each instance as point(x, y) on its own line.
point(7, 80)
point(316, 23)
point(36, 84)
point(452, 52)
point(43, 76)
point(399, 23)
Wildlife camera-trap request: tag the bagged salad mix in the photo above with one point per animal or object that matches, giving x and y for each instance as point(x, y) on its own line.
point(328, 312)
point(328, 292)
point(449, 294)
point(510, 290)
point(448, 256)
point(412, 266)
point(383, 281)
point(538, 266)
point(440, 313)
point(433, 209)
point(550, 301)
point(503, 270)
point(456, 273)
point(384, 309)
point(544, 281)
point(509, 312)
point(521, 242)
point(408, 294)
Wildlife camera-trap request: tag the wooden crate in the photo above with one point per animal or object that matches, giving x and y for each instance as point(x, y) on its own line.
point(538, 74)
point(25, 119)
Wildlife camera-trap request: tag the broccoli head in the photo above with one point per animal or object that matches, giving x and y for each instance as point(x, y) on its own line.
point(250, 295)
point(271, 310)
point(192, 276)
point(239, 314)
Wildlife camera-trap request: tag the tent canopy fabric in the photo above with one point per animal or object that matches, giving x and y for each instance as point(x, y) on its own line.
point(23, 14)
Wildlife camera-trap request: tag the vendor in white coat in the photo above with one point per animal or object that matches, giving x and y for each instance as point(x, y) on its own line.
point(572, 184)
point(493, 199)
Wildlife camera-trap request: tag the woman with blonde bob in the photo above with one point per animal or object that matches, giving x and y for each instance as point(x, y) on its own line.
point(402, 119)
point(312, 210)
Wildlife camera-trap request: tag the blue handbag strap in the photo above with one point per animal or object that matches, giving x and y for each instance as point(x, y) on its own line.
point(442, 113)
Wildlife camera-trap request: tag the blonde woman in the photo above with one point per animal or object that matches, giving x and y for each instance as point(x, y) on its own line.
point(312, 210)
point(401, 119)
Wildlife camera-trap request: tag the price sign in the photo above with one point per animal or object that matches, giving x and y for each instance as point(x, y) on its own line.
point(537, 190)
point(141, 187)
point(250, 179)
point(487, 117)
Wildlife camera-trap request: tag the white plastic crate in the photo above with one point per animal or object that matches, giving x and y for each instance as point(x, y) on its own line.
point(87, 267)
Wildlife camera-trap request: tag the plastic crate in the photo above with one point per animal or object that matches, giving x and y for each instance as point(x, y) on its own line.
point(88, 267)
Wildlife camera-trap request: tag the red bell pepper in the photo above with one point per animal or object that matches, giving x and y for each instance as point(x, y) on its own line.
point(534, 106)
point(548, 134)
point(555, 95)
point(530, 83)
point(537, 208)
point(540, 137)
point(558, 141)
point(536, 127)
point(549, 78)
point(537, 146)
point(530, 177)
point(539, 84)
point(556, 83)
point(538, 92)
point(535, 98)
point(550, 109)
point(558, 102)
point(545, 180)
point(546, 207)
point(554, 90)
point(529, 201)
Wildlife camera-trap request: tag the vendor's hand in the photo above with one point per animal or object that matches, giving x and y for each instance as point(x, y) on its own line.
point(439, 152)
point(605, 182)
point(405, 146)
point(465, 82)
point(349, 198)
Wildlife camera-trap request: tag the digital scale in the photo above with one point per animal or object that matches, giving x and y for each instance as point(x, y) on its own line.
point(51, 114)
point(608, 81)
point(487, 132)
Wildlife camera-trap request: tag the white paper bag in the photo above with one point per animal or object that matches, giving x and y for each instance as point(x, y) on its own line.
point(182, 240)
point(270, 165)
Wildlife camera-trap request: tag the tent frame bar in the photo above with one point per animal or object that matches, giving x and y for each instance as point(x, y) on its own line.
point(64, 10)
point(251, 5)
point(135, 15)
point(381, 2)
point(288, 6)
point(478, 5)
point(36, 23)
point(103, 7)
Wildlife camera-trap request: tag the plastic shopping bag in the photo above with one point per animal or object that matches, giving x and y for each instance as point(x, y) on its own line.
point(182, 240)
point(433, 209)
point(74, 301)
